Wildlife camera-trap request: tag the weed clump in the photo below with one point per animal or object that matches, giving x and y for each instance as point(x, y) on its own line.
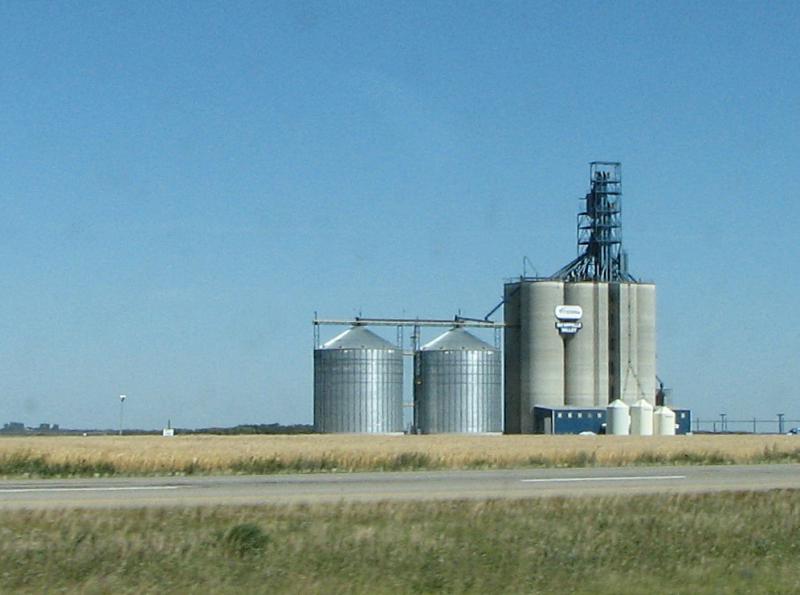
point(245, 539)
point(274, 464)
point(409, 461)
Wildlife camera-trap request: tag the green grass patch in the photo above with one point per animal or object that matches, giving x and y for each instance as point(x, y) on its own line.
point(27, 464)
point(712, 543)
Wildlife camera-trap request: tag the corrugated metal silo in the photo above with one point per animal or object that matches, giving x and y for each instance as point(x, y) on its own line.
point(459, 385)
point(541, 350)
point(358, 384)
point(586, 352)
point(511, 359)
point(646, 340)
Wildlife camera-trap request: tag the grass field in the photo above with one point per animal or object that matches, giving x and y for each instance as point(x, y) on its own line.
point(721, 543)
point(73, 456)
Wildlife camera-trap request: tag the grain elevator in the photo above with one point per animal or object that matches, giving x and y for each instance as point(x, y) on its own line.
point(578, 352)
point(586, 335)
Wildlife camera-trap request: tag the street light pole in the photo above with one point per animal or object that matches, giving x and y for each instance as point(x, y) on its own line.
point(121, 406)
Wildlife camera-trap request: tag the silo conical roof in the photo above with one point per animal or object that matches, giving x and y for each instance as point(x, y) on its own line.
point(617, 404)
point(643, 404)
point(457, 339)
point(358, 337)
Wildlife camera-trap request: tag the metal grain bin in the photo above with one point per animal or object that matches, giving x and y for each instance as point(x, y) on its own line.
point(664, 421)
point(641, 418)
point(459, 384)
point(358, 384)
point(618, 418)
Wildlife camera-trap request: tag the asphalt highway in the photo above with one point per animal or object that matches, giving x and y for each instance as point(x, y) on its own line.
point(372, 487)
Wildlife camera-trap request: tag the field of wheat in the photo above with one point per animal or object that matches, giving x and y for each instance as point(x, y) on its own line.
point(38, 456)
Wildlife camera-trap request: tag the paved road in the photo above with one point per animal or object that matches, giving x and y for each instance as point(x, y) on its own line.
point(432, 485)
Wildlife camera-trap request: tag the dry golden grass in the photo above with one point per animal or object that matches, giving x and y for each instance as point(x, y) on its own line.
point(132, 455)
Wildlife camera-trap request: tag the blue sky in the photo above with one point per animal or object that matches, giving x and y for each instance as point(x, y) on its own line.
point(184, 184)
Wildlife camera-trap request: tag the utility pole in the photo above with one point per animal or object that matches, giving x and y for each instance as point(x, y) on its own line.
point(121, 410)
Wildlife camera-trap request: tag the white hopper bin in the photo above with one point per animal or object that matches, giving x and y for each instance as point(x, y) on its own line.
point(618, 419)
point(641, 418)
point(664, 421)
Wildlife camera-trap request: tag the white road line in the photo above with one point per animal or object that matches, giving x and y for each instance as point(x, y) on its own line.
point(616, 478)
point(88, 489)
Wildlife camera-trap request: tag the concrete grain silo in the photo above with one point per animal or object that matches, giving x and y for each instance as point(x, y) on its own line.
point(512, 362)
point(586, 335)
point(358, 384)
point(541, 350)
point(646, 341)
point(586, 352)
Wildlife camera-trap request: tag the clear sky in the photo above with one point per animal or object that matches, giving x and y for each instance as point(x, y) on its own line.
point(183, 184)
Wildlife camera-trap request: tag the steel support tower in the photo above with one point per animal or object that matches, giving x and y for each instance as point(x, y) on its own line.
point(600, 254)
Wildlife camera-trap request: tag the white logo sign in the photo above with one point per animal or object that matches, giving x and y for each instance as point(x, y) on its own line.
point(569, 312)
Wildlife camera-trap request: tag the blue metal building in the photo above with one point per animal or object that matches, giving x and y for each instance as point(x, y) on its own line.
point(683, 419)
point(574, 420)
